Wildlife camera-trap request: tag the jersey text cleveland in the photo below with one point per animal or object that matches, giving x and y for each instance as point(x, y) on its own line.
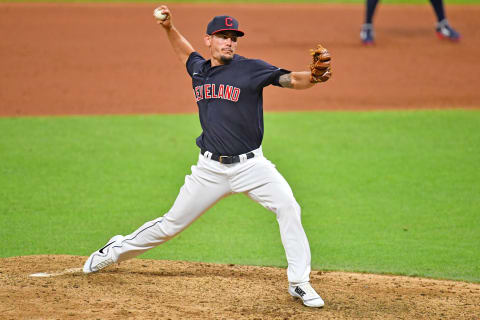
point(210, 91)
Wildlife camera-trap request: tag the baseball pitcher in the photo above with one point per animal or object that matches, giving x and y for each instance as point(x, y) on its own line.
point(228, 91)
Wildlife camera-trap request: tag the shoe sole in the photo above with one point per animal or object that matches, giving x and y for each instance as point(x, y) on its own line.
point(367, 42)
point(442, 37)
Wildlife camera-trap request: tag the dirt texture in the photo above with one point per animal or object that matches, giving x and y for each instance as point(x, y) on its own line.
point(113, 59)
point(151, 289)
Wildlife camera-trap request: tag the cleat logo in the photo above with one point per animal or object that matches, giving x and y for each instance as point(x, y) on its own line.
point(300, 292)
point(101, 250)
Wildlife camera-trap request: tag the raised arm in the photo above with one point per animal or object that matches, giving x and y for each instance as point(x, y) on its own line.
point(320, 71)
point(180, 45)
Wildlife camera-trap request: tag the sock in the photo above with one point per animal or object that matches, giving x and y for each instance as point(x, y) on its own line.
point(438, 8)
point(371, 5)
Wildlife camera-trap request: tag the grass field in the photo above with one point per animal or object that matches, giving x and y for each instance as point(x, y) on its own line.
point(385, 192)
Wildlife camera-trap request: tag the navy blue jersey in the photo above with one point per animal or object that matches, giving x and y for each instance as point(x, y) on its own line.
point(230, 102)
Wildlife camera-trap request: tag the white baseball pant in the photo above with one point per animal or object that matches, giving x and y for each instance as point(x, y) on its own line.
point(209, 182)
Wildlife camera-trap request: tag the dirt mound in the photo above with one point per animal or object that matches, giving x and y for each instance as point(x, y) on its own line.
point(154, 289)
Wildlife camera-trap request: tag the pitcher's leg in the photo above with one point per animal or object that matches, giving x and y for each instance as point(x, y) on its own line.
point(271, 190)
point(201, 190)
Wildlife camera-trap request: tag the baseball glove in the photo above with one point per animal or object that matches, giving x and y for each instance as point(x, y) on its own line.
point(320, 66)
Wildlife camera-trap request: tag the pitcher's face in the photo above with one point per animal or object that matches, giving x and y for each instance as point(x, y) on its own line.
point(223, 46)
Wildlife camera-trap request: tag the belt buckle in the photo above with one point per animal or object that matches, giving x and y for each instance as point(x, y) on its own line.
point(220, 158)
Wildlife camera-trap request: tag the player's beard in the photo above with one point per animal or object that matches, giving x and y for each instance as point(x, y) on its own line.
point(226, 59)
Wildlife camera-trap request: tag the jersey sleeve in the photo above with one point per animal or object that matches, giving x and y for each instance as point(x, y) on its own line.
point(194, 62)
point(265, 74)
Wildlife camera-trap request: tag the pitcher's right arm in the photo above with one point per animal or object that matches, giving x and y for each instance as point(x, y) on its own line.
point(180, 45)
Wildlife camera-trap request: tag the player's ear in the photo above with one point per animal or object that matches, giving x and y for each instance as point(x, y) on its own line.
point(208, 40)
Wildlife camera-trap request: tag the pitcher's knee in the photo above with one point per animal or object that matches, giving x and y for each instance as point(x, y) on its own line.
point(289, 209)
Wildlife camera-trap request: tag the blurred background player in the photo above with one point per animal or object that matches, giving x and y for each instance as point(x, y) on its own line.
point(443, 29)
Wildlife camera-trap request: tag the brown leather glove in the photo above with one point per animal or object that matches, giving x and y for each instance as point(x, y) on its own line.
point(320, 67)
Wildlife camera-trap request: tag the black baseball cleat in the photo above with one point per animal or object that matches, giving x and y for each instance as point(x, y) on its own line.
point(101, 258)
point(308, 295)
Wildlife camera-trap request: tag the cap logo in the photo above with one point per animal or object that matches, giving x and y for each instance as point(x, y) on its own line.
point(223, 23)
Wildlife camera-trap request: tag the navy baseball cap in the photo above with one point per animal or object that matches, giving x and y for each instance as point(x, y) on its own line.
point(223, 23)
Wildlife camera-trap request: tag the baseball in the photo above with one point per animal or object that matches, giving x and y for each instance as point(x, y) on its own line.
point(158, 13)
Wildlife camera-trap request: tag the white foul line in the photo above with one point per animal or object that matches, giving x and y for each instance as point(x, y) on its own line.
point(66, 271)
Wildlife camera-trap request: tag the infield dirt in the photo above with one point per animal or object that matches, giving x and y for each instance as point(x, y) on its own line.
point(63, 59)
point(150, 289)
point(114, 59)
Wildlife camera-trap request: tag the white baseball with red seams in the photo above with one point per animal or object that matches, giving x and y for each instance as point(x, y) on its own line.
point(158, 13)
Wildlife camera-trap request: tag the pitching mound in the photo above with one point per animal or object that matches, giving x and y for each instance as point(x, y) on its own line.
point(174, 289)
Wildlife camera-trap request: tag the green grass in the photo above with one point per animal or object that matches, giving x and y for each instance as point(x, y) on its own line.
point(448, 2)
point(384, 192)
